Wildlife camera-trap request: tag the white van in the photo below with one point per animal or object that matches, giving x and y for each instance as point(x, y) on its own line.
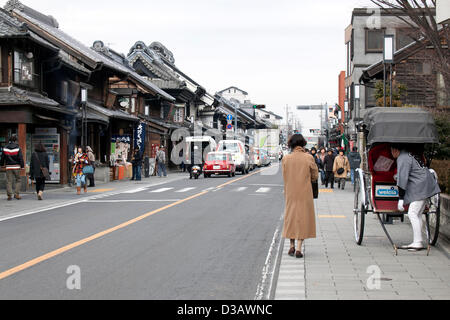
point(239, 155)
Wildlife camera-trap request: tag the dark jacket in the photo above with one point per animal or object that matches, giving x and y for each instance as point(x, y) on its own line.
point(38, 160)
point(12, 157)
point(328, 162)
point(137, 159)
point(355, 160)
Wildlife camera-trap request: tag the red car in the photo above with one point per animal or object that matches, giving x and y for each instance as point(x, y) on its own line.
point(219, 163)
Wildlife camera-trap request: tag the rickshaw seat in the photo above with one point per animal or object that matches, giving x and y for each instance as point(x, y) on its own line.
point(382, 177)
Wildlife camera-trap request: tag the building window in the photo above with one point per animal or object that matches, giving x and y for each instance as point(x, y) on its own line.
point(64, 91)
point(133, 105)
point(24, 69)
point(371, 101)
point(374, 40)
point(423, 68)
point(179, 115)
point(405, 36)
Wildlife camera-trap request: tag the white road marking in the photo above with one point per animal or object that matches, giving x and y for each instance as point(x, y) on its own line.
point(185, 190)
point(74, 202)
point(160, 190)
point(137, 200)
point(266, 272)
point(240, 189)
point(136, 190)
point(263, 190)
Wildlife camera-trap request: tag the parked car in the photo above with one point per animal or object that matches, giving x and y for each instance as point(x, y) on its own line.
point(238, 153)
point(219, 163)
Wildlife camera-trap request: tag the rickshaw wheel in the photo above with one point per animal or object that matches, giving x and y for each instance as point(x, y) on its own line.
point(359, 214)
point(432, 219)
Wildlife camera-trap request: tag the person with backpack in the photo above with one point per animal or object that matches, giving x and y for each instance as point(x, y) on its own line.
point(91, 176)
point(161, 159)
point(12, 160)
point(39, 169)
point(341, 167)
point(81, 160)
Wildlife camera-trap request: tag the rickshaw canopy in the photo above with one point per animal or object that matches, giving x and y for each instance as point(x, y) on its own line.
point(400, 125)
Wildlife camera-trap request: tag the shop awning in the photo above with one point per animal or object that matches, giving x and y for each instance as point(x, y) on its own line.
point(111, 114)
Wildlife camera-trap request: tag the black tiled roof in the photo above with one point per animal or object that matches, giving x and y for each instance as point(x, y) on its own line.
point(16, 96)
point(91, 56)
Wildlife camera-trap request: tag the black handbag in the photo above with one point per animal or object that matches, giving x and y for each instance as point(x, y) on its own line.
point(340, 171)
point(315, 189)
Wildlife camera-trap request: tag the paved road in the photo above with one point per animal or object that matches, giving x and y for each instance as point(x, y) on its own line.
point(182, 239)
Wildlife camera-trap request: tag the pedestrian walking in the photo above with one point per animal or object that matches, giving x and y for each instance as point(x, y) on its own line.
point(91, 157)
point(328, 167)
point(341, 168)
point(355, 162)
point(12, 160)
point(415, 185)
point(80, 161)
point(136, 161)
point(39, 169)
point(321, 164)
point(161, 159)
point(299, 171)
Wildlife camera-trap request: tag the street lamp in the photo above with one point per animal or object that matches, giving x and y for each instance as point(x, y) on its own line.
point(83, 117)
point(388, 58)
point(356, 96)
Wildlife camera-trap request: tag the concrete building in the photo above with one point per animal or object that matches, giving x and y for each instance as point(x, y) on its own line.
point(364, 47)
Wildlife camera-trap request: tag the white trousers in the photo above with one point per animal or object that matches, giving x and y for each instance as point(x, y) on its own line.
point(415, 212)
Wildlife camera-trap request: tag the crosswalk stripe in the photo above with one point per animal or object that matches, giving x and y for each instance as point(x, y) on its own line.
point(135, 190)
point(161, 190)
point(185, 190)
point(241, 189)
point(263, 190)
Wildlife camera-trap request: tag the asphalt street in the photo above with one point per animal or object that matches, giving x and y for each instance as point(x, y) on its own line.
point(183, 239)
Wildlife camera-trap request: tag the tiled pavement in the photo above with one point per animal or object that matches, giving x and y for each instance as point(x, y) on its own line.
point(335, 267)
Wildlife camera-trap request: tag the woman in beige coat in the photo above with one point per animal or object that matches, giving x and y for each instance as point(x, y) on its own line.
point(299, 169)
point(341, 161)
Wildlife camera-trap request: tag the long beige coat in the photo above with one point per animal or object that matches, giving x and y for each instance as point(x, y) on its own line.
point(299, 169)
point(341, 162)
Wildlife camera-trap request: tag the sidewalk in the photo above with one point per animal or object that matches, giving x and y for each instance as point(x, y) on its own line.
point(66, 195)
point(336, 268)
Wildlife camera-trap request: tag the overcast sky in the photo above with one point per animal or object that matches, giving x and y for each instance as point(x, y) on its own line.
point(284, 52)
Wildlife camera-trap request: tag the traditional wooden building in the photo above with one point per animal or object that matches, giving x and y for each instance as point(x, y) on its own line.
point(26, 105)
point(414, 67)
point(116, 93)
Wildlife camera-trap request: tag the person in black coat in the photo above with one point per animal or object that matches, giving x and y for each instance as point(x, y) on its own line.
point(136, 161)
point(328, 167)
point(39, 159)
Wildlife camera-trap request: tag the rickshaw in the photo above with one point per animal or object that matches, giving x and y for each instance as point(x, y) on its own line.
point(376, 190)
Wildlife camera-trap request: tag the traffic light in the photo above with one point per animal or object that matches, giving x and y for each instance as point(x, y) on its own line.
point(259, 106)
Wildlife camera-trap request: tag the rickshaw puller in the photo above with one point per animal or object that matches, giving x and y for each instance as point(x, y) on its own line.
point(416, 184)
